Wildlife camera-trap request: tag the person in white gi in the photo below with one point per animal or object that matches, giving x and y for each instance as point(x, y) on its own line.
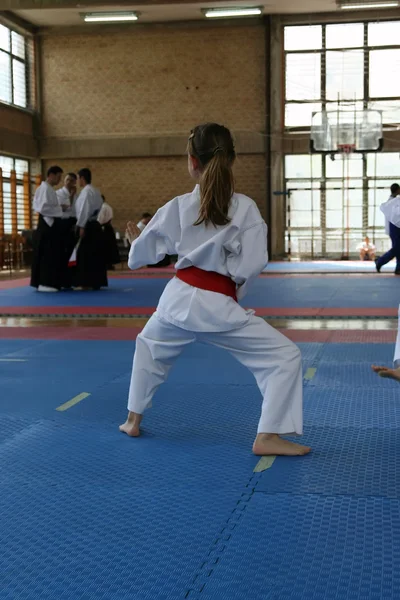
point(67, 196)
point(221, 242)
point(385, 371)
point(91, 271)
point(106, 213)
point(47, 261)
point(145, 220)
point(391, 211)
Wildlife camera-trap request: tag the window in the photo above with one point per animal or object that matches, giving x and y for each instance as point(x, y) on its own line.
point(296, 40)
point(385, 33)
point(334, 204)
point(346, 35)
point(15, 61)
point(303, 80)
point(16, 195)
point(350, 62)
point(383, 83)
point(344, 75)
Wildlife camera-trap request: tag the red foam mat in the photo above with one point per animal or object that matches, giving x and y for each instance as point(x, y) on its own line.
point(14, 283)
point(76, 310)
point(70, 333)
point(130, 333)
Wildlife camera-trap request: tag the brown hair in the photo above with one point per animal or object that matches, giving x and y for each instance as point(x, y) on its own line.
point(212, 145)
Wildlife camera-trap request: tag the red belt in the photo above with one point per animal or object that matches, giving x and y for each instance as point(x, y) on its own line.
point(208, 280)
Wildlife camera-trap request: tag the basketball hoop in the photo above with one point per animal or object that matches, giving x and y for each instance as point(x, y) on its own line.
point(346, 148)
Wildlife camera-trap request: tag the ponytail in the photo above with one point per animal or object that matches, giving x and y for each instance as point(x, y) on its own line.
point(212, 145)
point(216, 189)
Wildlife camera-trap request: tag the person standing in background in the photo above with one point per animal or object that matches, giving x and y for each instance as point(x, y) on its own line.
point(146, 218)
point(67, 196)
point(391, 210)
point(48, 240)
point(90, 271)
point(105, 219)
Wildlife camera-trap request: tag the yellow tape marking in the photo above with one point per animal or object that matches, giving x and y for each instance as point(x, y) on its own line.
point(13, 360)
point(310, 374)
point(72, 402)
point(265, 463)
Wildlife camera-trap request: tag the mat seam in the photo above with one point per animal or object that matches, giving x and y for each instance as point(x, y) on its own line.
point(221, 541)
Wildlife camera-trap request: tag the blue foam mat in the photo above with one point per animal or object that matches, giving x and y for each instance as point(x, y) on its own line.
point(89, 513)
point(73, 367)
point(372, 407)
point(266, 292)
point(327, 266)
point(357, 353)
point(345, 461)
point(105, 539)
point(350, 375)
point(293, 547)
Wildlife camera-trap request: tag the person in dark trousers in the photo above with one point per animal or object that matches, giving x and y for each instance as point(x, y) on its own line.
point(105, 219)
point(391, 210)
point(67, 196)
point(90, 271)
point(48, 238)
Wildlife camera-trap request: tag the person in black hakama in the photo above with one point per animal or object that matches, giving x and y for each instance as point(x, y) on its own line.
point(67, 198)
point(105, 219)
point(90, 271)
point(48, 239)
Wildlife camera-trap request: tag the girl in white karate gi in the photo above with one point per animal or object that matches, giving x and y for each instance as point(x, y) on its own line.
point(221, 242)
point(392, 373)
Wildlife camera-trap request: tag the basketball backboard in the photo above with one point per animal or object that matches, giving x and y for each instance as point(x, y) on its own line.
point(360, 130)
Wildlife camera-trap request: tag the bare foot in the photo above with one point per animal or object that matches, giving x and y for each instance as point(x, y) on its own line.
point(387, 373)
point(132, 425)
point(270, 444)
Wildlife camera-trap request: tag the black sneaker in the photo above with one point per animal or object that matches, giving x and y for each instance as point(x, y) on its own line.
point(397, 272)
point(378, 268)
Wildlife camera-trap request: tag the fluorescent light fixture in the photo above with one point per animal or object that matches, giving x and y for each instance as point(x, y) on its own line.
point(218, 13)
point(110, 17)
point(355, 6)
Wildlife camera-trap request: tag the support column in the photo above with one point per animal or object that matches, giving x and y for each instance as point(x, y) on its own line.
point(27, 202)
point(277, 225)
point(14, 209)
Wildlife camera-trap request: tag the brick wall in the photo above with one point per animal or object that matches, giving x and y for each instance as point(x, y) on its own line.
point(153, 81)
point(133, 186)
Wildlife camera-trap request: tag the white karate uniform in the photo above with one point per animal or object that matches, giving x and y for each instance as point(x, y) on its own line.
point(106, 214)
point(45, 203)
point(64, 199)
point(186, 314)
point(88, 205)
point(391, 211)
point(366, 247)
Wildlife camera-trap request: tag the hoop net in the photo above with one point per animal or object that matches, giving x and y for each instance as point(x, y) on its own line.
point(346, 148)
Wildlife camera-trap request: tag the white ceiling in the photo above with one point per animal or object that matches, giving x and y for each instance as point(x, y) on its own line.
point(169, 12)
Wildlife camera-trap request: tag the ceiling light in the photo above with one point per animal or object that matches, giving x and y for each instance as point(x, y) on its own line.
point(359, 6)
point(218, 13)
point(110, 17)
